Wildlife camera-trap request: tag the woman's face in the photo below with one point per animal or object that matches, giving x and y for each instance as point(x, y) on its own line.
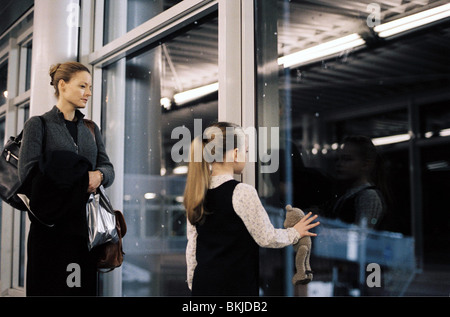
point(77, 90)
point(350, 165)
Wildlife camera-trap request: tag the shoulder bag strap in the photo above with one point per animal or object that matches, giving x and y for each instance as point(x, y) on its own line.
point(91, 126)
point(24, 198)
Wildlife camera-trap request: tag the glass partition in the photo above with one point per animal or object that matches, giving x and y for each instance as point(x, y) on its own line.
point(2, 140)
point(144, 100)
point(23, 114)
point(333, 76)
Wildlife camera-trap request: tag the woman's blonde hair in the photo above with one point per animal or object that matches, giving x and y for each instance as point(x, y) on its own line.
point(219, 138)
point(64, 71)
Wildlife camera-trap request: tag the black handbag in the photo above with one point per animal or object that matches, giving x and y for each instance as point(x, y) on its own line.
point(10, 185)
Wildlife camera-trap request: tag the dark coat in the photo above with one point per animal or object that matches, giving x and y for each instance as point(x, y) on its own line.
point(58, 198)
point(59, 139)
point(58, 183)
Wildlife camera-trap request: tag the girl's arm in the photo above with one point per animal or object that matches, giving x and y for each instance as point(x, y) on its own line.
point(191, 247)
point(248, 207)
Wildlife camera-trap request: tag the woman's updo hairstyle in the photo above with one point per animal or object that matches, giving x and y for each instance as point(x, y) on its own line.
point(64, 71)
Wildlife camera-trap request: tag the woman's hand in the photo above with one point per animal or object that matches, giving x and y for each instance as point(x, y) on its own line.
point(304, 225)
point(95, 180)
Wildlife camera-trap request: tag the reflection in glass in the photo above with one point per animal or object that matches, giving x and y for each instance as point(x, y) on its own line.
point(140, 111)
point(325, 72)
point(122, 16)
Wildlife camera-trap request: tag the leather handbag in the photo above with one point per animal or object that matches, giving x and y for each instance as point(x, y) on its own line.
point(9, 175)
point(10, 185)
point(110, 255)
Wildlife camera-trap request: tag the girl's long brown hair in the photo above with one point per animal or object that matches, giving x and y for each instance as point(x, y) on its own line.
point(198, 177)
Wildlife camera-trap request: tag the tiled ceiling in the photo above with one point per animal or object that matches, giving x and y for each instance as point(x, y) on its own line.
point(383, 71)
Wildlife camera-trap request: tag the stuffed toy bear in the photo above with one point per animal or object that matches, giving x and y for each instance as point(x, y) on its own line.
point(302, 248)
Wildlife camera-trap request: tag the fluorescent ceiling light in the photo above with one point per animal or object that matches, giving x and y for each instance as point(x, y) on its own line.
point(391, 139)
point(444, 132)
point(166, 103)
point(404, 137)
point(413, 21)
point(180, 170)
point(149, 196)
point(190, 95)
point(439, 165)
point(321, 50)
point(295, 59)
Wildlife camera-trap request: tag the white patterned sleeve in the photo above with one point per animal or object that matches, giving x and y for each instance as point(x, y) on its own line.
point(249, 208)
point(191, 248)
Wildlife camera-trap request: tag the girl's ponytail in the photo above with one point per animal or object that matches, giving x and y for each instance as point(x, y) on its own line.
point(205, 149)
point(197, 182)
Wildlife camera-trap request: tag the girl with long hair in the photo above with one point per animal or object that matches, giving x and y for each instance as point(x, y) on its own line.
point(226, 220)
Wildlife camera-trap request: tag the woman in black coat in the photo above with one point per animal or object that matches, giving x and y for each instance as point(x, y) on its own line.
point(59, 179)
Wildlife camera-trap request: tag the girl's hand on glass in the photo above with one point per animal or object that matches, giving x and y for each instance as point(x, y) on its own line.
point(305, 224)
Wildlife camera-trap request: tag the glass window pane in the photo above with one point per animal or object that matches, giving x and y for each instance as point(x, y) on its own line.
point(435, 120)
point(3, 83)
point(2, 140)
point(141, 100)
point(28, 67)
point(327, 70)
point(436, 180)
point(435, 129)
point(116, 23)
point(24, 114)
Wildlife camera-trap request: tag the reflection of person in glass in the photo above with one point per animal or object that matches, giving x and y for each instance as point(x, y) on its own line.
point(226, 220)
point(311, 188)
point(360, 171)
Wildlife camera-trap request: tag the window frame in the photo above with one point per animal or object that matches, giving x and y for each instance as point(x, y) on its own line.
point(15, 227)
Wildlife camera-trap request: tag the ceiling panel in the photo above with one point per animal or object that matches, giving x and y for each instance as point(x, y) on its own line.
point(353, 80)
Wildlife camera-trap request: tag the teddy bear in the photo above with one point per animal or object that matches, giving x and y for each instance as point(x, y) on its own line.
point(303, 274)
